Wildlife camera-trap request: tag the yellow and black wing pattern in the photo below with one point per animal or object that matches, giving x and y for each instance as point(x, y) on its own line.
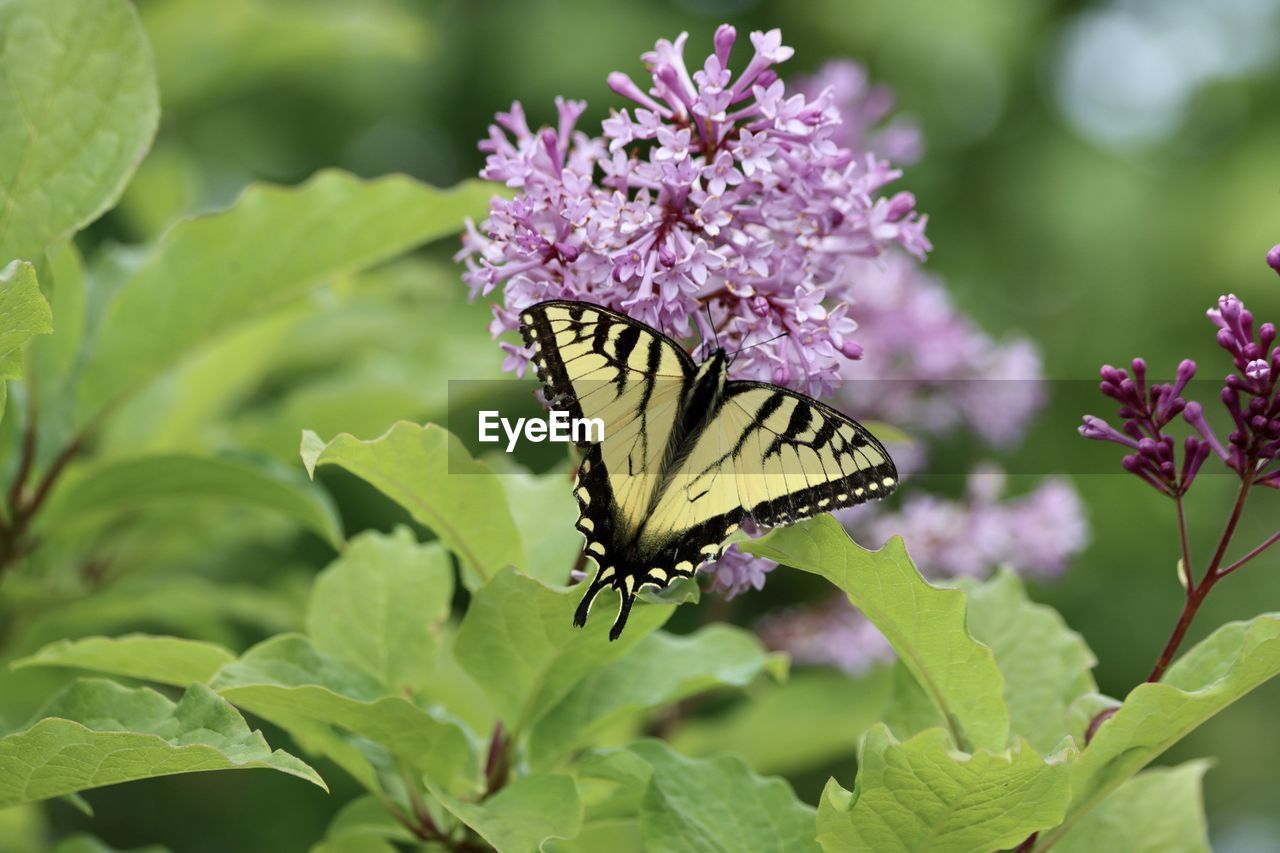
point(686, 455)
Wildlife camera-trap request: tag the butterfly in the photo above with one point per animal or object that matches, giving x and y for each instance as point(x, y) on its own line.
point(688, 453)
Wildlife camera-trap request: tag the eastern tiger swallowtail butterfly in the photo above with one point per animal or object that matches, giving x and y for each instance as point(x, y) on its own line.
point(687, 453)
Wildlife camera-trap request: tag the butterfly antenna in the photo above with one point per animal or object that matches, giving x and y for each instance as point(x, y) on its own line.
point(715, 336)
point(756, 344)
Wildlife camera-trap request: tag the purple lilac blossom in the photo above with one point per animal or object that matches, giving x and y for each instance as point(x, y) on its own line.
point(1273, 258)
point(1251, 396)
point(730, 192)
point(832, 633)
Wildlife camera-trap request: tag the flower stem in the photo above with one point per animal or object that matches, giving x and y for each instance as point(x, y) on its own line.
point(1196, 593)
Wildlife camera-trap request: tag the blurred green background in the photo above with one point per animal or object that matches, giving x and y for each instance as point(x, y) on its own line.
point(1096, 174)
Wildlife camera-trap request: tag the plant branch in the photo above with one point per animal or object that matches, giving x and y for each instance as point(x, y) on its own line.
point(1196, 593)
point(1274, 538)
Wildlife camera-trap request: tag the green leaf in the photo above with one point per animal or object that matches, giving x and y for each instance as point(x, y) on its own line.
point(1229, 663)
point(106, 490)
point(286, 677)
point(518, 642)
point(210, 274)
point(921, 794)
point(925, 624)
point(718, 805)
point(545, 514)
point(1046, 665)
point(824, 713)
point(1158, 811)
point(98, 733)
point(428, 472)
point(164, 660)
point(524, 814)
point(380, 605)
point(661, 669)
point(24, 313)
point(78, 108)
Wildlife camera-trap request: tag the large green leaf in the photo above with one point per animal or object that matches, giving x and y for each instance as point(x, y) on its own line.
point(164, 660)
point(1158, 811)
point(524, 814)
point(102, 492)
point(545, 513)
point(78, 108)
point(925, 624)
point(380, 605)
point(825, 712)
point(1046, 665)
point(428, 472)
point(210, 274)
point(24, 313)
point(661, 669)
point(921, 794)
point(286, 677)
point(718, 805)
point(98, 733)
point(518, 642)
point(1229, 663)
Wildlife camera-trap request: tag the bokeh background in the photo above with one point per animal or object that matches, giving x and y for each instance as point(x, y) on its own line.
point(1096, 174)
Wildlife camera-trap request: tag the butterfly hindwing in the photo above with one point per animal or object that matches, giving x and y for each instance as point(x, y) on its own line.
point(596, 363)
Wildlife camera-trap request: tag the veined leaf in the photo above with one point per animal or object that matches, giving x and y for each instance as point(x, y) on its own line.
point(380, 605)
point(164, 660)
point(98, 733)
point(1158, 811)
point(286, 677)
point(661, 669)
point(100, 492)
point(518, 642)
point(210, 274)
point(78, 108)
point(1046, 665)
point(925, 624)
point(1229, 663)
point(921, 794)
point(524, 814)
point(718, 804)
point(428, 472)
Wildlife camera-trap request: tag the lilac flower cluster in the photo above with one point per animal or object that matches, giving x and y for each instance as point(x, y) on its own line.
point(713, 191)
point(1249, 395)
point(832, 633)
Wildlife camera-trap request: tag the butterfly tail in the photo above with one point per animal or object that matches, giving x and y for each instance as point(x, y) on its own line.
point(623, 612)
point(584, 606)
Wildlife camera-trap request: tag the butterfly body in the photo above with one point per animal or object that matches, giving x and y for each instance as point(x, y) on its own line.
point(688, 453)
